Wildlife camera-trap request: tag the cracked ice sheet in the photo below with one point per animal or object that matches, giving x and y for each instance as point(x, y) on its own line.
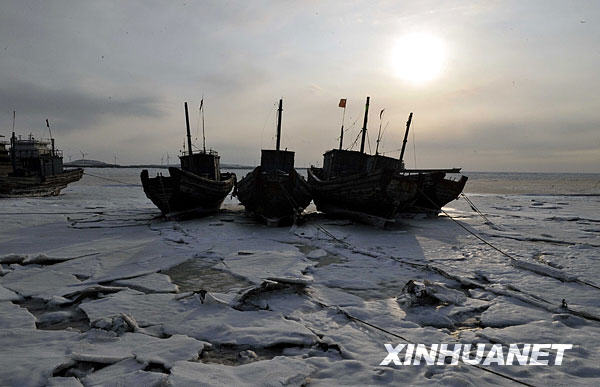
point(13, 316)
point(8, 295)
point(580, 364)
point(258, 265)
point(216, 323)
point(151, 283)
point(30, 356)
point(126, 259)
point(34, 281)
point(104, 347)
point(279, 371)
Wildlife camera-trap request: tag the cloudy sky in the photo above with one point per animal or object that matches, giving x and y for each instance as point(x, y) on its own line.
point(494, 85)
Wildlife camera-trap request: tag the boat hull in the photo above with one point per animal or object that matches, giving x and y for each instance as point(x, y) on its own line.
point(380, 193)
point(274, 197)
point(436, 192)
point(183, 194)
point(36, 186)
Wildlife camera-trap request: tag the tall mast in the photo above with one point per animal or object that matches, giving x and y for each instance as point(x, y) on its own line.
point(187, 124)
point(279, 123)
point(379, 133)
point(364, 128)
point(13, 141)
point(405, 137)
point(203, 135)
point(51, 138)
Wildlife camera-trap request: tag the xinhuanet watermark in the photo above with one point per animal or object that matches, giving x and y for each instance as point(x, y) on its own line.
point(479, 354)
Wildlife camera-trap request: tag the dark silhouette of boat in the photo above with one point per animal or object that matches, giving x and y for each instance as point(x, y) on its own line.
point(35, 169)
point(274, 192)
point(376, 189)
point(5, 164)
point(198, 188)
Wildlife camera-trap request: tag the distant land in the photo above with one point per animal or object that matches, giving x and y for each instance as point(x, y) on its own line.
point(102, 164)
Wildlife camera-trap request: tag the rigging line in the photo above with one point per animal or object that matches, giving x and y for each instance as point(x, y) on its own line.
point(577, 280)
point(198, 125)
point(472, 205)
point(443, 273)
point(354, 143)
point(113, 180)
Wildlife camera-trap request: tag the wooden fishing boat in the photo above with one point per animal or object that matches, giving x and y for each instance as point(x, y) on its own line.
point(31, 186)
point(274, 192)
point(198, 188)
point(359, 186)
point(376, 189)
point(36, 169)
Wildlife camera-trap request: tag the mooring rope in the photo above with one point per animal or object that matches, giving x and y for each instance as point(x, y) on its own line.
point(113, 180)
point(474, 208)
point(577, 280)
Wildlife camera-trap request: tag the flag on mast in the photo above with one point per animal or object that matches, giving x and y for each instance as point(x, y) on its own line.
point(342, 103)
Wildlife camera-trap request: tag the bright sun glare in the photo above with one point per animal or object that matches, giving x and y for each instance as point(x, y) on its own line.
point(418, 57)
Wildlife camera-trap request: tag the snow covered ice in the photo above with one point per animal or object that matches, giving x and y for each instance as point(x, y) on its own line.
point(96, 290)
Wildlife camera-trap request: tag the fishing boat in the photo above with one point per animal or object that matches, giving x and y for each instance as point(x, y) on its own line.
point(357, 185)
point(5, 164)
point(376, 189)
point(36, 168)
point(197, 188)
point(274, 192)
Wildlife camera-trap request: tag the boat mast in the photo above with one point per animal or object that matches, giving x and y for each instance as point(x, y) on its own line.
point(13, 141)
point(203, 135)
point(405, 137)
point(52, 141)
point(364, 128)
point(379, 133)
point(279, 123)
point(187, 124)
point(51, 138)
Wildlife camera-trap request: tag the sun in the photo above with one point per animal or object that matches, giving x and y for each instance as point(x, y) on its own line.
point(418, 57)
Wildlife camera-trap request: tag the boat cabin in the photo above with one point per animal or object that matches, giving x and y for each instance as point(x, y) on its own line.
point(380, 161)
point(35, 157)
point(338, 162)
point(277, 160)
point(204, 164)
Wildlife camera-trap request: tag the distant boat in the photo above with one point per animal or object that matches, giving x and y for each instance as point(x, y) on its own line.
point(374, 188)
point(5, 164)
point(274, 192)
point(198, 188)
point(35, 168)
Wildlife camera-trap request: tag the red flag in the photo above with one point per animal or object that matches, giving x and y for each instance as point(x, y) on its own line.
point(342, 103)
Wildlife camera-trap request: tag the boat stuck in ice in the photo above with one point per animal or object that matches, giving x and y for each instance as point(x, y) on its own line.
point(274, 192)
point(376, 188)
point(198, 188)
point(33, 168)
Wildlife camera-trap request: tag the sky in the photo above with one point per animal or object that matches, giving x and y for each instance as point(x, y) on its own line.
point(493, 85)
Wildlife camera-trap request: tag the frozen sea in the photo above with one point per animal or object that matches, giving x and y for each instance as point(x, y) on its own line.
point(96, 289)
